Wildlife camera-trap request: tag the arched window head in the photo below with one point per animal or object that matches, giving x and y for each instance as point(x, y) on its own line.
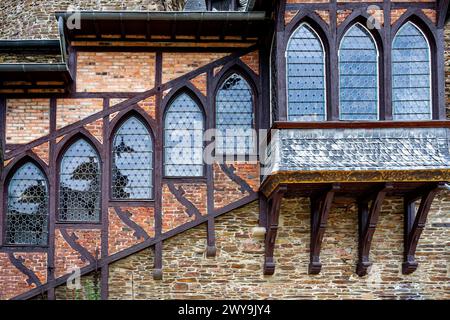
point(79, 184)
point(234, 116)
point(411, 72)
point(183, 138)
point(132, 166)
point(27, 207)
point(358, 75)
point(305, 57)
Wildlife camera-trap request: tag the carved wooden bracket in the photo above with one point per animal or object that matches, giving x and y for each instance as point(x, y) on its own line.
point(273, 213)
point(415, 222)
point(368, 219)
point(320, 208)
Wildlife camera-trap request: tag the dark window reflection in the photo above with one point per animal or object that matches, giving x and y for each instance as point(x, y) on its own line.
point(132, 165)
point(79, 189)
point(27, 207)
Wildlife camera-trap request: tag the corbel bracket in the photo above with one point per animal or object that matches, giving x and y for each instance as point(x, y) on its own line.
point(320, 209)
point(415, 223)
point(273, 214)
point(368, 219)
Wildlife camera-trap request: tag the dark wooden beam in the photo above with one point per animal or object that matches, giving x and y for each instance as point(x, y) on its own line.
point(414, 225)
point(273, 214)
point(442, 8)
point(157, 271)
point(320, 209)
point(368, 219)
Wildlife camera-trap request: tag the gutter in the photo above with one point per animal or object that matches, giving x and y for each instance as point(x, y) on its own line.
point(33, 67)
point(29, 45)
point(166, 15)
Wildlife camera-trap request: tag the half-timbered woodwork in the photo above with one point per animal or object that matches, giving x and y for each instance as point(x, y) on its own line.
point(330, 151)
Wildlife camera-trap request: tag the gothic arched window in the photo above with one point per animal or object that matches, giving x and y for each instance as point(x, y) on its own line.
point(27, 207)
point(305, 57)
point(358, 75)
point(234, 116)
point(79, 184)
point(183, 138)
point(411, 75)
point(132, 161)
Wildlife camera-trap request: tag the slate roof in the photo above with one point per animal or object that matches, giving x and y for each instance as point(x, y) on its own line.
point(361, 149)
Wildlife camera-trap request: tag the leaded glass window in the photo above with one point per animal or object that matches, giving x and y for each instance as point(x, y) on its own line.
point(358, 75)
point(234, 116)
point(132, 167)
point(305, 76)
point(411, 85)
point(183, 138)
point(27, 207)
point(79, 186)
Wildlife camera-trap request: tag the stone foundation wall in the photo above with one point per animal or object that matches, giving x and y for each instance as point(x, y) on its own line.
point(236, 271)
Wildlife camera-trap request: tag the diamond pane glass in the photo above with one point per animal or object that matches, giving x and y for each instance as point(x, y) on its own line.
point(27, 207)
point(79, 187)
point(132, 167)
point(411, 87)
point(358, 75)
point(305, 76)
point(234, 117)
point(183, 138)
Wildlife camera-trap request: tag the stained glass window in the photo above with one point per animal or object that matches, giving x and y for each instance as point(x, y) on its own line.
point(27, 207)
point(79, 186)
point(358, 75)
point(183, 138)
point(305, 76)
point(132, 167)
point(234, 116)
point(411, 87)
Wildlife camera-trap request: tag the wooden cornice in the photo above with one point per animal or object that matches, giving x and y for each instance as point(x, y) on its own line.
point(356, 176)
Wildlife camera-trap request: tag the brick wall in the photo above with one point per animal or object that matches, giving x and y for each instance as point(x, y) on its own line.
point(115, 71)
point(36, 20)
point(26, 119)
point(236, 271)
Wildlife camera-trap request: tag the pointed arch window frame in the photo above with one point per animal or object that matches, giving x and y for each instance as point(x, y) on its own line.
point(430, 65)
point(378, 73)
point(65, 146)
point(112, 135)
point(167, 103)
point(9, 175)
point(224, 76)
point(325, 66)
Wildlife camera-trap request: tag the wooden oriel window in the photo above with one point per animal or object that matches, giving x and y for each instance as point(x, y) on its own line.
point(132, 162)
point(79, 184)
point(183, 138)
point(27, 207)
point(305, 57)
point(411, 74)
